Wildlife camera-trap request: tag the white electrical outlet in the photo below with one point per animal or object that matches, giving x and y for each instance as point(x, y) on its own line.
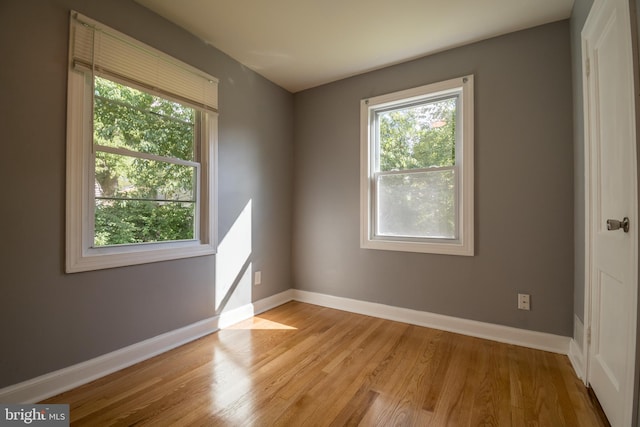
point(257, 278)
point(524, 301)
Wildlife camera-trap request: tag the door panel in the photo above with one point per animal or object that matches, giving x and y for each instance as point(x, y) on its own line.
point(610, 132)
point(612, 294)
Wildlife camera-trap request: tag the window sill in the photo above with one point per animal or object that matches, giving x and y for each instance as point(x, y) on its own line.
point(457, 248)
point(102, 258)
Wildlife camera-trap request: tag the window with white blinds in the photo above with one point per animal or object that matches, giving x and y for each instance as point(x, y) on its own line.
point(141, 152)
point(98, 48)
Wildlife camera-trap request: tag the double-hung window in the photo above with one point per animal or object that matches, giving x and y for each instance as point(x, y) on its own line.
point(141, 152)
point(417, 169)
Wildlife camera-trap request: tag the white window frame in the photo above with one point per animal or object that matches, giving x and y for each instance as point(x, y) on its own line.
point(81, 255)
point(464, 243)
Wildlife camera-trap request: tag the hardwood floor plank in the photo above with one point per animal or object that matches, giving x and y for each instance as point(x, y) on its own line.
point(410, 377)
point(580, 404)
point(294, 381)
point(492, 400)
point(443, 345)
point(300, 364)
point(563, 405)
point(456, 401)
point(327, 397)
point(353, 412)
point(547, 399)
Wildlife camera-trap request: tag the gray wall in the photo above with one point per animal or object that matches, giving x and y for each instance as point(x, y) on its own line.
point(51, 320)
point(523, 188)
point(579, 15)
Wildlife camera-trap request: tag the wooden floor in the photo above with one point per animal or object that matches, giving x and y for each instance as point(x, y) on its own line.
point(303, 365)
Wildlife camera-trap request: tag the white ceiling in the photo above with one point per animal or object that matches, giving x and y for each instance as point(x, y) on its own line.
point(299, 44)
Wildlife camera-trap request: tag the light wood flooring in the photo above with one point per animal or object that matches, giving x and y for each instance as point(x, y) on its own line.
point(304, 365)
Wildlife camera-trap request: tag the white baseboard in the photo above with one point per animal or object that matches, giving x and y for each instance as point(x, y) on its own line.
point(576, 358)
point(53, 383)
point(56, 382)
point(239, 314)
point(273, 301)
point(578, 331)
point(228, 318)
point(490, 331)
point(576, 349)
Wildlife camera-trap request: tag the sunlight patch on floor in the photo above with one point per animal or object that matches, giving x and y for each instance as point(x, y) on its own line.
point(259, 323)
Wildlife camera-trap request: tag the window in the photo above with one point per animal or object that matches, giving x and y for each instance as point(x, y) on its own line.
point(417, 169)
point(141, 152)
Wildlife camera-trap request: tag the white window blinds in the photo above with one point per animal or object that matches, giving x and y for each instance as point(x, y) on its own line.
point(103, 50)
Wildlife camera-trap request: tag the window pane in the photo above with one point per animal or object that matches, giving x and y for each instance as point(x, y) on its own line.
point(129, 118)
point(418, 204)
point(419, 136)
point(138, 221)
point(119, 176)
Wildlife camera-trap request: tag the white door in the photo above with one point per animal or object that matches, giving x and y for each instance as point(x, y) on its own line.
point(611, 194)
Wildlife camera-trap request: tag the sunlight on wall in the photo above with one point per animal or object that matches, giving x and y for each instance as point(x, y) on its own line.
point(233, 269)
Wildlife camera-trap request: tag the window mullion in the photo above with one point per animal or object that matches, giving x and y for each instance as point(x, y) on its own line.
point(415, 170)
point(146, 156)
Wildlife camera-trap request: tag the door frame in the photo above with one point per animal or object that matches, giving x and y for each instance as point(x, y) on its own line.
point(632, 394)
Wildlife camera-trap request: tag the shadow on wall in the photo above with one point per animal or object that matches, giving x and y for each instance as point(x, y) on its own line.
point(233, 264)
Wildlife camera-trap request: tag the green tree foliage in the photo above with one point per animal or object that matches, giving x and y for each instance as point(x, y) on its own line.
point(140, 199)
point(417, 203)
point(422, 136)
